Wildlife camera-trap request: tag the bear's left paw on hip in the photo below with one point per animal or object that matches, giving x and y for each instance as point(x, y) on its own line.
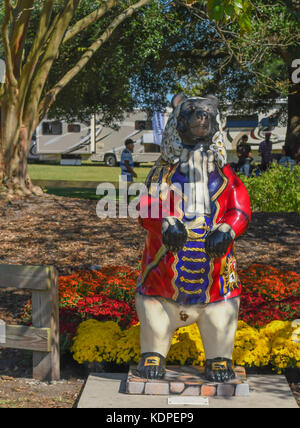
point(151, 366)
point(217, 243)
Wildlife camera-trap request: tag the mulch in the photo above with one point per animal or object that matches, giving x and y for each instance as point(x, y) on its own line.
point(67, 234)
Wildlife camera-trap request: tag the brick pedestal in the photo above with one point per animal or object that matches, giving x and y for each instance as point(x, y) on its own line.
point(187, 380)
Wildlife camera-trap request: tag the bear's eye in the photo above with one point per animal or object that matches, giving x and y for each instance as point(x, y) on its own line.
point(190, 108)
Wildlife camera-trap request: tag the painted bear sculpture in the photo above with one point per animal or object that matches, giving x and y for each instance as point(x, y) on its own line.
point(194, 210)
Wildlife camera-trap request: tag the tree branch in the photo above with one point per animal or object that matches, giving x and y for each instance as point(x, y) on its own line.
point(5, 36)
point(49, 98)
point(52, 47)
point(89, 19)
point(195, 53)
point(20, 24)
point(36, 49)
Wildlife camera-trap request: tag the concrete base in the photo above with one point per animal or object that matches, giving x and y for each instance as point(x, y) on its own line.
point(108, 390)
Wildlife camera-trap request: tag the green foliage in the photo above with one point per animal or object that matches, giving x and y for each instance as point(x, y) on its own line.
point(278, 189)
point(240, 10)
point(253, 69)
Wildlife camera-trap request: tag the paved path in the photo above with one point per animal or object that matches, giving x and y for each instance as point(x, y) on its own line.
point(106, 390)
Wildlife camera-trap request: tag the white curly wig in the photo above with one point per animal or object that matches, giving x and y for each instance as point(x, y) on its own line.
point(171, 146)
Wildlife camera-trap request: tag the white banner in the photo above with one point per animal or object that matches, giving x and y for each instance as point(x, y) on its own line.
point(2, 332)
point(2, 70)
point(158, 125)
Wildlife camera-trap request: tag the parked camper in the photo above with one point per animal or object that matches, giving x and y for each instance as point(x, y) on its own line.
point(254, 126)
point(139, 128)
point(68, 141)
point(73, 141)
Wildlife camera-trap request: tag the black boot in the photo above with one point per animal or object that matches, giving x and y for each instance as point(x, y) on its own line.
point(152, 366)
point(219, 369)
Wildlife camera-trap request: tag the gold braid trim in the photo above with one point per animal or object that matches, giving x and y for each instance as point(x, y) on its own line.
point(201, 250)
point(189, 259)
point(190, 292)
point(192, 271)
point(195, 239)
point(194, 235)
point(191, 281)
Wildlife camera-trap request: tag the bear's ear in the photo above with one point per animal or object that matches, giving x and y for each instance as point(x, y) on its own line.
point(213, 99)
point(178, 99)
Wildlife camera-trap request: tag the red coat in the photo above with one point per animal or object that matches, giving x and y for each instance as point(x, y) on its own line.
point(190, 276)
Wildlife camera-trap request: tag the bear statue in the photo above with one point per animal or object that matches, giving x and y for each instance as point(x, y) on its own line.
point(189, 271)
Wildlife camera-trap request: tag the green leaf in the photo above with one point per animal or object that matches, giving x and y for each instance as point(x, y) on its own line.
point(238, 4)
point(245, 22)
point(229, 10)
point(215, 9)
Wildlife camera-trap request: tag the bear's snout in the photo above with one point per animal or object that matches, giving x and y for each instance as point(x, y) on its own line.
point(196, 120)
point(200, 119)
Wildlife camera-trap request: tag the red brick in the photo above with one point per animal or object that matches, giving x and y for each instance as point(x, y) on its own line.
point(191, 390)
point(208, 390)
point(240, 373)
point(176, 387)
point(157, 388)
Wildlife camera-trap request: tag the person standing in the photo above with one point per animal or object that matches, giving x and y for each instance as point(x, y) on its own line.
point(243, 152)
point(265, 151)
point(126, 164)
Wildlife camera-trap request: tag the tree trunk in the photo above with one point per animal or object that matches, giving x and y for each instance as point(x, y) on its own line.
point(293, 124)
point(21, 103)
point(15, 138)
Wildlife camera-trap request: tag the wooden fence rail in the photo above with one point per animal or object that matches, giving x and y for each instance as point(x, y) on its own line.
point(43, 337)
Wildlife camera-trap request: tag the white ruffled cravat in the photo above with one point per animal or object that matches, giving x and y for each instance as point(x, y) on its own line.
point(197, 165)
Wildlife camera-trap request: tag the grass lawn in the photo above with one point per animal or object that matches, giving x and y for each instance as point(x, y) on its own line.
point(94, 173)
point(82, 173)
point(72, 192)
point(76, 192)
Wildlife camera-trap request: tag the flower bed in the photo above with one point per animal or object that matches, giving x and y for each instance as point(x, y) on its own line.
point(103, 295)
point(269, 294)
point(273, 345)
point(95, 298)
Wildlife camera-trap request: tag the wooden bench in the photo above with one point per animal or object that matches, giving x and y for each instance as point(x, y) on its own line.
point(43, 337)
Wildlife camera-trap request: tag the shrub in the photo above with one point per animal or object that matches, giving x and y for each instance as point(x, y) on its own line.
point(277, 189)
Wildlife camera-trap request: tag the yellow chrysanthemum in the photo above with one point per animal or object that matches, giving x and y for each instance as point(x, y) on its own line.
point(277, 344)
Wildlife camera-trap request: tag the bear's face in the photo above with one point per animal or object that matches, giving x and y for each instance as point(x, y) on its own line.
point(196, 122)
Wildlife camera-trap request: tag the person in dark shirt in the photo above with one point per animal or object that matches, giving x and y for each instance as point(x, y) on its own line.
point(244, 154)
point(265, 151)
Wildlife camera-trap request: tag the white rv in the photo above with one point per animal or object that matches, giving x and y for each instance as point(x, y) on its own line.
point(136, 126)
point(73, 141)
point(254, 126)
point(68, 141)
